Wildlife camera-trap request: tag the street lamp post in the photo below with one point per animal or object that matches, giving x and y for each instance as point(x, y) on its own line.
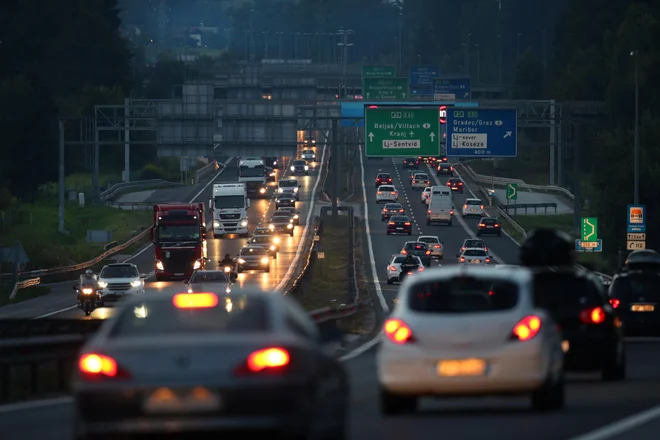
point(252, 35)
point(279, 45)
point(265, 43)
point(518, 46)
point(635, 54)
point(400, 43)
point(476, 46)
point(344, 45)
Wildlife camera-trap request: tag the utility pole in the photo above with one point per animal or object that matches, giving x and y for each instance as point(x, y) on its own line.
point(335, 159)
point(265, 44)
point(400, 42)
point(635, 53)
point(344, 45)
point(61, 183)
point(518, 47)
point(127, 139)
point(478, 63)
point(545, 54)
point(279, 45)
point(468, 65)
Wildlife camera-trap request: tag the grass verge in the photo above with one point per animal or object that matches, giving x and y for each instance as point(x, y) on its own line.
point(22, 295)
point(47, 248)
point(511, 168)
point(329, 274)
point(345, 181)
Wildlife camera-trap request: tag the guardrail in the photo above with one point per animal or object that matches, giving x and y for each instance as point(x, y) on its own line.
point(131, 206)
point(204, 171)
point(86, 264)
point(503, 181)
point(527, 206)
point(24, 284)
point(120, 188)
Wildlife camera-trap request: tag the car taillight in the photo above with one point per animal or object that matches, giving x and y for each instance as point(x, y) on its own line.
point(380, 192)
point(480, 225)
point(267, 360)
point(385, 210)
point(404, 252)
point(428, 252)
point(393, 268)
point(394, 192)
point(398, 331)
point(593, 316)
point(462, 259)
point(448, 183)
point(465, 207)
point(487, 260)
point(615, 302)
point(485, 249)
point(527, 328)
point(481, 206)
point(437, 246)
point(451, 168)
point(420, 269)
point(497, 225)
point(99, 366)
point(429, 211)
point(451, 212)
point(390, 224)
point(389, 180)
point(407, 223)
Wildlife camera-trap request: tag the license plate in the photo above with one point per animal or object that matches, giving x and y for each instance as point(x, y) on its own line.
point(475, 261)
point(399, 229)
point(180, 274)
point(565, 346)
point(465, 367)
point(642, 307)
point(473, 210)
point(167, 401)
point(489, 227)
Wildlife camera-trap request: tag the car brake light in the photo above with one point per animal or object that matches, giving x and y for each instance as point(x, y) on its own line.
point(460, 183)
point(481, 206)
point(393, 192)
point(393, 268)
point(614, 302)
point(385, 210)
point(266, 360)
point(428, 252)
point(451, 212)
point(94, 365)
point(398, 331)
point(391, 223)
point(593, 316)
point(407, 223)
point(451, 168)
point(379, 193)
point(404, 252)
point(420, 269)
point(448, 183)
point(465, 207)
point(487, 260)
point(480, 225)
point(527, 328)
point(389, 180)
point(462, 259)
point(437, 246)
point(497, 225)
point(195, 300)
point(429, 211)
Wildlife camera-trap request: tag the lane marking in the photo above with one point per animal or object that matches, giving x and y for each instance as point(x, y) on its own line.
point(367, 229)
point(622, 425)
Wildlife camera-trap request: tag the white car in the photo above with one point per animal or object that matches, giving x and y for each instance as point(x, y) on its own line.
point(426, 195)
point(473, 243)
point(473, 256)
point(121, 279)
point(394, 267)
point(413, 174)
point(421, 181)
point(308, 155)
point(290, 186)
point(473, 207)
point(434, 244)
point(386, 193)
point(460, 331)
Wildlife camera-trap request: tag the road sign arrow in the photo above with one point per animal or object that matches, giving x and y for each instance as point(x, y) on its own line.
point(404, 96)
point(371, 137)
point(508, 134)
point(432, 136)
point(368, 94)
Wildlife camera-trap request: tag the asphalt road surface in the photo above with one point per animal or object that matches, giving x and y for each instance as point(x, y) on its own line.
point(591, 404)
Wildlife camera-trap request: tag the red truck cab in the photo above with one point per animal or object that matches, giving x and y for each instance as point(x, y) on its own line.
point(179, 239)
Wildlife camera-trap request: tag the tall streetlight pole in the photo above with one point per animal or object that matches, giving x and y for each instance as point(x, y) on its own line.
point(279, 45)
point(467, 63)
point(265, 43)
point(518, 47)
point(635, 54)
point(344, 45)
point(400, 42)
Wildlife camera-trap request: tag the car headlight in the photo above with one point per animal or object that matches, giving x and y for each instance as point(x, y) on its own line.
point(216, 224)
point(272, 248)
point(197, 265)
point(271, 227)
point(136, 283)
point(265, 260)
point(295, 217)
point(262, 190)
point(295, 190)
point(87, 291)
point(103, 284)
point(306, 168)
point(276, 240)
point(289, 226)
point(280, 190)
point(241, 261)
point(274, 162)
point(293, 168)
point(244, 223)
point(159, 265)
point(313, 141)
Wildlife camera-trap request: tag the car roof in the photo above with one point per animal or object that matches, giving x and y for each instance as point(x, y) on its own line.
point(384, 174)
point(403, 256)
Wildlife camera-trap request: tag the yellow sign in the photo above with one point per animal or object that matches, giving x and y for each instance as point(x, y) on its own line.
point(465, 367)
point(589, 244)
point(642, 307)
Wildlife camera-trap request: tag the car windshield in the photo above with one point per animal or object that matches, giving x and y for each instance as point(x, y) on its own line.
point(473, 202)
point(299, 162)
point(212, 276)
point(288, 183)
point(119, 272)
point(178, 232)
point(427, 189)
point(474, 244)
point(252, 251)
point(428, 240)
point(261, 239)
point(308, 151)
point(444, 165)
point(256, 171)
point(262, 231)
point(475, 253)
point(463, 295)
point(488, 221)
point(229, 202)
point(280, 219)
point(232, 314)
point(386, 188)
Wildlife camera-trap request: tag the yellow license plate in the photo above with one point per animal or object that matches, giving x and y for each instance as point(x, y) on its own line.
point(642, 307)
point(565, 345)
point(464, 367)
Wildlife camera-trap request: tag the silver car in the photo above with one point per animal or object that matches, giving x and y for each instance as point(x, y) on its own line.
point(208, 363)
point(308, 155)
point(209, 281)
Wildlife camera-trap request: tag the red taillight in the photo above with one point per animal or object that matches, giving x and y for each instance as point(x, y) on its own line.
point(393, 268)
point(407, 223)
point(429, 211)
point(481, 206)
point(593, 316)
point(380, 192)
point(615, 302)
point(451, 168)
point(97, 366)
point(460, 183)
point(404, 252)
point(389, 180)
point(487, 260)
point(448, 183)
point(428, 252)
point(420, 269)
point(465, 206)
point(485, 249)
point(451, 212)
point(497, 225)
point(390, 224)
point(398, 331)
point(462, 259)
point(266, 360)
point(527, 328)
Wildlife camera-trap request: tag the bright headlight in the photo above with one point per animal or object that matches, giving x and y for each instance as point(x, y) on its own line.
point(306, 168)
point(295, 190)
point(293, 168)
point(280, 190)
point(244, 223)
point(262, 190)
point(289, 226)
point(242, 261)
point(103, 284)
point(276, 240)
point(216, 224)
point(197, 265)
point(136, 283)
point(272, 248)
point(295, 217)
point(264, 260)
point(271, 227)
point(159, 265)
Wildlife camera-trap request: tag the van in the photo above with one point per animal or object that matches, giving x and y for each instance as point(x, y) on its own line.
point(441, 210)
point(441, 190)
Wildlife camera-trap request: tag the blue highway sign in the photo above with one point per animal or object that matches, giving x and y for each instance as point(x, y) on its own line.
point(421, 91)
point(460, 87)
point(482, 132)
point(423, 76)
point(636, 218)
point(592, 246)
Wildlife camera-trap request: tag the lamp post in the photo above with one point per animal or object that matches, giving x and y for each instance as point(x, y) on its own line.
point(344, 58)
point(635, 53)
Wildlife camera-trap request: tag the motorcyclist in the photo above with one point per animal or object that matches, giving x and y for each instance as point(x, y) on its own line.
point(89, 280)
point(408, 264)
point(227, 261)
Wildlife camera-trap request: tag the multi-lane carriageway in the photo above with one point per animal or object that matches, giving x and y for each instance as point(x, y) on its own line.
point(591, 404)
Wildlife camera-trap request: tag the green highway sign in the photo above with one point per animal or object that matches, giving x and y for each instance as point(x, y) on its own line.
point(589, 229)
point(378, 71)
point(401, 132)
point(512, 191)
point(385, 88)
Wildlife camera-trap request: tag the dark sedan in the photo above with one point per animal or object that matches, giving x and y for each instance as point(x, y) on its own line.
point(455, 184)
point(391, 209)
point(418, 249)
point(253, 258)
point(281, 224)
point(383, 179)
point(271, 162)
point(399, 224)
point(445, 169)
point(295, 215)
point(266, 242)
point(489, 225)
point(285, 200)
point(411, 163)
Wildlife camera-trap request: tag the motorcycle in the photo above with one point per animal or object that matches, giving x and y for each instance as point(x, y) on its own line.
point(88, 299)
point(409, 270)
point(231, 275)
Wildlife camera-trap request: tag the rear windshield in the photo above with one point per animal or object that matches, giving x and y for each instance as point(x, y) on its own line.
point(489, 221)
point(399, 219)
point(232, 314)
point(400, 259)
point(463, 295)
point(475, 253)
point(421, 176)
point(416, 246)
point(253, 251)
point(473, 202)
point(393, 206)
point(636, 284)
point(119, 272)
point(386, 188)
point(299, 162)
point(474, 243)
point(288, 183)
point(556, 291)
point(383, 176)
point(428, 240)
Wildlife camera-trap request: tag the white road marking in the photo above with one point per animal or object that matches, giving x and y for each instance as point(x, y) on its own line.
point(621, 426)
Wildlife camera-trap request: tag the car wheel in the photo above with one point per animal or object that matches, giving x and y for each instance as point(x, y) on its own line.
point(389, 281)
point(551, 396)
point(391, 404)
point(616, 370)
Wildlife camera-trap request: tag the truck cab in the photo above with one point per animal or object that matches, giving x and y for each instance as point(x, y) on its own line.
point(254, 173)
point(228, 208)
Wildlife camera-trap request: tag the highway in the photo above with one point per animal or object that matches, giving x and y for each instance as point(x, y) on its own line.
point(60, 302)
point(591, 404)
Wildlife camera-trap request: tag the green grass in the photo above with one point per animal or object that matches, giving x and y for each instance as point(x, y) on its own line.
point(536, 175)
point(47, 248)
point(329, 275)
point(21, 295)
point(80, 182)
